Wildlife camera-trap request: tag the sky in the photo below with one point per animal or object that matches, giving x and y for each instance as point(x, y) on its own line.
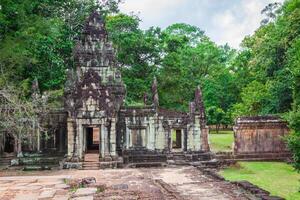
point(224, 21)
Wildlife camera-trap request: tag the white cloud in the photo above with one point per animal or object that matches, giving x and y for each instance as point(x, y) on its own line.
point(224, 21)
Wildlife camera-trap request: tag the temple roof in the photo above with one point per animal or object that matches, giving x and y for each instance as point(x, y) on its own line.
point(95, 27)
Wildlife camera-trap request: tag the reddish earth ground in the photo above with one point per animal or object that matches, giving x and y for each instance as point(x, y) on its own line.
point(144, 183)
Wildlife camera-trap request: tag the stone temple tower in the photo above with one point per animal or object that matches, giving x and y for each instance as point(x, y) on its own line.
point(94, 93)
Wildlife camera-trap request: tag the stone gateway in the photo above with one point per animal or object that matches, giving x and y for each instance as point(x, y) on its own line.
point(98, 121)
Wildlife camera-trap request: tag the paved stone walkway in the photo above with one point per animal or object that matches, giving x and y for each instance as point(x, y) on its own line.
point(151, 183)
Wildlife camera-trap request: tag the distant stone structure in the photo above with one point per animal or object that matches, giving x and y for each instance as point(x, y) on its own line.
point(260, 136)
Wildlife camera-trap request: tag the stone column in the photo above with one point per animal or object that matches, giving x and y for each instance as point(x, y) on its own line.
point(19, 146)
point(113, 137)
point(204, 139)
point(106, 144)
point(152, 132)
point(38, 139)
point(102, 140)
point(70, 129)
point(79, 140)
point(61, 140)
point(127, 139)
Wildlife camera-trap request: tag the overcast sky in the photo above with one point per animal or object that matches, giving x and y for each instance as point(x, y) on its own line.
point(224, 21)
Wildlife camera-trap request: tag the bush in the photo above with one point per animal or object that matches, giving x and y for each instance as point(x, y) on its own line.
point(293, 140)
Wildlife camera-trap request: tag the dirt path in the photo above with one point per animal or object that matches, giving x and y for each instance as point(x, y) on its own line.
point(151, 183)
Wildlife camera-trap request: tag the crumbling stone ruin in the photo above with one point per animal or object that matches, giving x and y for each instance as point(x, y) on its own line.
point(260, 136)
point(94, 102)
point(96, 121)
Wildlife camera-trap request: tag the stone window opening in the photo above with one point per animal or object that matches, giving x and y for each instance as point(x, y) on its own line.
point(176, 139)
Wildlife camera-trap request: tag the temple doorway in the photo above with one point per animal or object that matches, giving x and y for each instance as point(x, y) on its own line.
point(92, 139)
point(9, 145)
point(176, 139)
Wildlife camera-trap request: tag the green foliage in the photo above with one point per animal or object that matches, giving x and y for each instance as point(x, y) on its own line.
point(293, 140)
point(294, 146)
point(138, 53)
point(279, 178)
point(184, 69)
point(216, 116)
point(37, 38)
point(255, 98)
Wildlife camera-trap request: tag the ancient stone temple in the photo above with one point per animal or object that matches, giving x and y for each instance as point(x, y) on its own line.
point(95, 124)
point(99, 122)
point(94, 94)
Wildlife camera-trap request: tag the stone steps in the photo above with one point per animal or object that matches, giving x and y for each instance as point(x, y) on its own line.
point(91, 161)
point(5, 160)
point(254, 157)
point(146, 164)
point(180, 158)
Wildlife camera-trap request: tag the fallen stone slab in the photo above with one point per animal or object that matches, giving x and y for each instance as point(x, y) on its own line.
point(61, 192)
point(61, 186)
point(120, 187)
point(26, 188)
point(61, 197)
point(47, 194)
point(83, 198)
point(83, 192)
point(26, 196)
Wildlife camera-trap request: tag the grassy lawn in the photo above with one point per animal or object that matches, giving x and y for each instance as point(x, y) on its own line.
point(222, 141)
point(278, 178)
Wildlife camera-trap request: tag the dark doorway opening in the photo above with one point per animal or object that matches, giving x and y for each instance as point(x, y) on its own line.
point(176, 139)
point(92, 139)
point(9, 145)
point(137, 140)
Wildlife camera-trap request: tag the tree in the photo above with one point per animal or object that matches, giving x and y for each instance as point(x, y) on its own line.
point(216, 116)
point(21, 118)
point(294, 138)
point(37, 38)
point(255, 98)
point(184, 69)
point(138, 53)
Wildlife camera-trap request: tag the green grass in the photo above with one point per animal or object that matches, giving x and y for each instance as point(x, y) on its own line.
point(222, 141)
point(278, 178)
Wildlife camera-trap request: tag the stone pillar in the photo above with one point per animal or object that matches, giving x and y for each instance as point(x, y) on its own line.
point(18, 146)
point(38, 139)
point(204, 139)
point(70, 129)
point(106, 143)
point(79, 140)
point(113, 137)
point(61, 140)
point(185, 139)
point(153, 131)
point(127, 137)
point(102, 141)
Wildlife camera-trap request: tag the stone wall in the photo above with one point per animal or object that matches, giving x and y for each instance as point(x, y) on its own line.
point(257, 135)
